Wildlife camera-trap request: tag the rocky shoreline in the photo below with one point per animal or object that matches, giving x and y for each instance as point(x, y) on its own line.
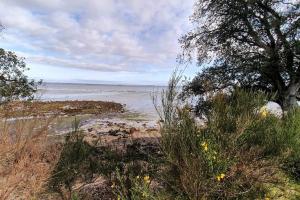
point(58, 108)
point(119, 133)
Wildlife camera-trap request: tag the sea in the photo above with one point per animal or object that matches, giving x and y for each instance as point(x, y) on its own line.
point(135, 98)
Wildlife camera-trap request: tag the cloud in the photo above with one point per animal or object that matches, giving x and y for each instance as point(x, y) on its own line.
point(105, 35)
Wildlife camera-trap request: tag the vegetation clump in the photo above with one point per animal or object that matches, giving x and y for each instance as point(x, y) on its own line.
point(14, 84)
point(240, 152)
point(250, 44)
point(27, 158)
point(80, 163)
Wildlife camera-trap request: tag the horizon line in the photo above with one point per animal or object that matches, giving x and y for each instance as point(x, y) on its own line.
point(113, 84)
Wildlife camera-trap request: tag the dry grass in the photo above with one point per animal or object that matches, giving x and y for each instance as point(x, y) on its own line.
point(27, 155)
point(26, 158)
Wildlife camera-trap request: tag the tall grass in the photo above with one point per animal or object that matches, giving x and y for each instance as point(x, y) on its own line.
point(26, 159)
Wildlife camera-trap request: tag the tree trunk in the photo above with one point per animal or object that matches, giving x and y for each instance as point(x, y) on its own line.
point(290, 97)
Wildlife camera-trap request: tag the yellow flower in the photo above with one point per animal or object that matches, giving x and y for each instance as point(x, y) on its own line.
point(263, 111)
point(220, 177)
point(214, 157)
point(144, 194)
point(113, 185)
point(267, 198)
point(147, 179)
point(205, 146)
point(119, 198)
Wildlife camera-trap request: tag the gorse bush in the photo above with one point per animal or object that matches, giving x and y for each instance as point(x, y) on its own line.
point(133, 187)
point(238, 151)
point(138, 170)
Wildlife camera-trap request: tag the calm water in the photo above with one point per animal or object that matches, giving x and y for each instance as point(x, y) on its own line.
point(136, 98)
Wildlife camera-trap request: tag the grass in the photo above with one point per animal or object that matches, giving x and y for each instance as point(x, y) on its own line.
point(240, 152)
point(236, 154)
point(26, 158)
point(80, 162)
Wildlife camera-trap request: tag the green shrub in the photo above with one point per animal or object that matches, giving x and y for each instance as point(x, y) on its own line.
point(234, 155)
point(141, 165)
point(79, 161)
point(132, 187)
point(76, 160)
point(291, 133)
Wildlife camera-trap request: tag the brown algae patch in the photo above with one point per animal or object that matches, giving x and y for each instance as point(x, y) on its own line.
point(41, 108)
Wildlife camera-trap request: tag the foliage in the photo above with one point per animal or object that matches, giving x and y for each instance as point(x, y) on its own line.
point(14, 84)
point(237, 154)
point(140, 168)
point(291, 134)
point(80, 161)
point(139, 187)
point(250, 44)
point(75, 159)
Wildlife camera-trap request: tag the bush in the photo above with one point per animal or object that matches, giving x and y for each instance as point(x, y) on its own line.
point(291, 135)
point(80, 162)
point(238, 151)
point(75, 161)
point(14, 84)
point(132, 187)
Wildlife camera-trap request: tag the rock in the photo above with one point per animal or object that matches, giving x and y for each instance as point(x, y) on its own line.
point(91, 140)
point(117, 132)
point(67, 107)
point(151, 129)
point(132, 130)
point(100, 189)
point(109, 123)
point(101, 133)
point(199, 122)
point(274, 108)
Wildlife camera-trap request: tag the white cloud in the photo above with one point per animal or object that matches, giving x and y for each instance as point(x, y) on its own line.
point(104, 35)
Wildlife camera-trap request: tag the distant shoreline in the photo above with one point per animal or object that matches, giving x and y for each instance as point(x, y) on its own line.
point(102, 84)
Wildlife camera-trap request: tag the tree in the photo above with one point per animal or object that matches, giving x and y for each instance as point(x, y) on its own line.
point(13, 83)
point(252, 44)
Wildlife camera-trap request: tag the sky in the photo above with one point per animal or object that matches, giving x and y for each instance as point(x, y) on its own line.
point(97, 41)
